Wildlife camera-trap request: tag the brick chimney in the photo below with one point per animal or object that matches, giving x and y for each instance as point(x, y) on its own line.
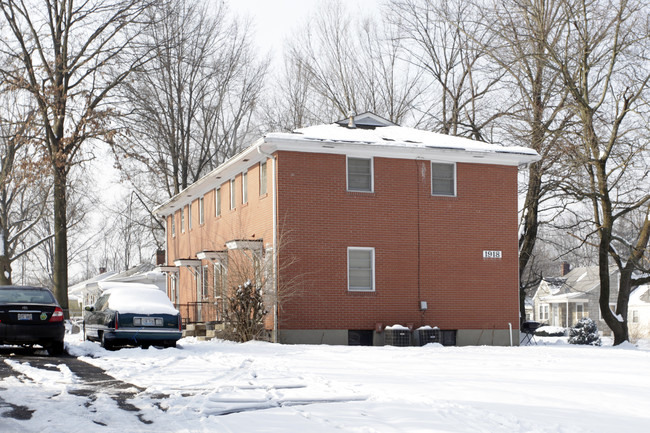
point(565, 268)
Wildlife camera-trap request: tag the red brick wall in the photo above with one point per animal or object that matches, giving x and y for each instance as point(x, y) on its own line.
point(463, 290)
point(252, 220)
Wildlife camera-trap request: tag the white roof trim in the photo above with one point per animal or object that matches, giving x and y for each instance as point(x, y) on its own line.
point(385, 142)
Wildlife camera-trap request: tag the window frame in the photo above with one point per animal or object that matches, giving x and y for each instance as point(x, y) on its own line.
point(183, 219)
point(172, 225)
point(201, 211)
point(233, 199)
point(189, 216)
point(347, 174)
point(205, 282)
point(217, 202)
point(373, 285)
point(263, 178)
point(454, 193)
point(244, 187)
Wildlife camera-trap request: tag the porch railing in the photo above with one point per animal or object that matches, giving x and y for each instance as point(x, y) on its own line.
point(201, 312)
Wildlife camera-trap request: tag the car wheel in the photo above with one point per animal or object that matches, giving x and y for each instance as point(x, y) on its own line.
point(171, 344)
point(56, 348)
point(105, 343)
point(84, 332)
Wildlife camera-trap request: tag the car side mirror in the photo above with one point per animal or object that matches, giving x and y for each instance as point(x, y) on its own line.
point(91, 308)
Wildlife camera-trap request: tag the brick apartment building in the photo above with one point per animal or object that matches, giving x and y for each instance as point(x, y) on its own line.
point(372, 224)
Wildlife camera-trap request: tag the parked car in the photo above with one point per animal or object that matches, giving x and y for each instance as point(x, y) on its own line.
point(129, 314)
point(31, 316)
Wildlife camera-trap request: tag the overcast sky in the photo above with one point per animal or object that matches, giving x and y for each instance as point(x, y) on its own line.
point(274, 20)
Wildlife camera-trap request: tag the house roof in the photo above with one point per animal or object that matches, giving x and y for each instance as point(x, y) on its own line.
point(372, 136)
point(640, 296)
point(577, 282)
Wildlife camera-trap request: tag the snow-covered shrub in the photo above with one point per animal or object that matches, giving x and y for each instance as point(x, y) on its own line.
point(585, 332)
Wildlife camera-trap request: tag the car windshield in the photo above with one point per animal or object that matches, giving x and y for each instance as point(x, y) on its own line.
point(22, 296)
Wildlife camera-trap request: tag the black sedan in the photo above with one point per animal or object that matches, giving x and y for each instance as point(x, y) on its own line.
point(133, 315)
point(31, 316)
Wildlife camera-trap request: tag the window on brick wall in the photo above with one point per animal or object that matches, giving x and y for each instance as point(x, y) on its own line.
point(205, 282)
point(263, 181)
point(361, 269)
point(244, 187)
point(217, 199)
point(443, 179)
point(359, 174)
point(189, 216)
point(232, 193)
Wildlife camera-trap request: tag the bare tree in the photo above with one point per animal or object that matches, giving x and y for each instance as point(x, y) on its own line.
point(24, 179)
point(451, 46)
point(522, 30)
point(192, 105)
point(354, 65)
point(604, 66)
point(68, 58)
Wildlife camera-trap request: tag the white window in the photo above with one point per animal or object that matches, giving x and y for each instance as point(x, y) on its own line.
point(244, 187)
point(232, 193)
point(443, 179)
point(201, 211)
point(361, 269)
point(205, 279)
point(580, 311)
point(189, 216)
point(360, 174)
point(173, 225)
point(183, 220)
point(635, 316)
point(543, 312)
point(263, 181)
point(173, 289)
point(217, 199)
point(219, 280)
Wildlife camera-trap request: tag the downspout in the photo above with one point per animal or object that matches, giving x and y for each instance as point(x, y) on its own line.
point(274, 200)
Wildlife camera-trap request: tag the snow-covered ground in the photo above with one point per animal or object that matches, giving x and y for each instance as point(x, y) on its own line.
point(220, 386)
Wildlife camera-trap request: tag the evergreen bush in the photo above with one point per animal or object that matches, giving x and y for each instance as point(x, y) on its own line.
point(585, 332)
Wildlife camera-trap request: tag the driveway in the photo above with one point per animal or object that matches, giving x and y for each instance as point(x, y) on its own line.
point(90, 381)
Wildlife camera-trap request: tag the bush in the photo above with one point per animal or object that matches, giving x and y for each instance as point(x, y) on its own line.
point(585, 332)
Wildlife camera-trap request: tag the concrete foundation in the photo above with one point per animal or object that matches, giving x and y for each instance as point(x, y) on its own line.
point(464, 337)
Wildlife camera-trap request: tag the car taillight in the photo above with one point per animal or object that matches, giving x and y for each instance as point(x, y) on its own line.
point(117, 319)
point(180, 323)
point(57, 316)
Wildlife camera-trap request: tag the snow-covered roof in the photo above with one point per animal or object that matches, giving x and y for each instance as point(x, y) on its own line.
point(366, 139)
point(640, 295)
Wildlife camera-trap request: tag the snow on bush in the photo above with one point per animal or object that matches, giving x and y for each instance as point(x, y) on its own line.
point(585, 332)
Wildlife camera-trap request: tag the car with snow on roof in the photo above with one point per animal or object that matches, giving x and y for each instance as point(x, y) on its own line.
point(130, 314)
point(31, 316)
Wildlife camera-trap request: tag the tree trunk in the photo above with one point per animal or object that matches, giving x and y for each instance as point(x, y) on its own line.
point(60, 275)
point(5, 271)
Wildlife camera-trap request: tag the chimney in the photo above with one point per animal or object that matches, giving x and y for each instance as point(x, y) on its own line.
point(565, 268)
point(102, 270)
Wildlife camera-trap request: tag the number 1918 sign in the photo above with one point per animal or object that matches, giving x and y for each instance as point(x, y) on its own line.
point(491, 254)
